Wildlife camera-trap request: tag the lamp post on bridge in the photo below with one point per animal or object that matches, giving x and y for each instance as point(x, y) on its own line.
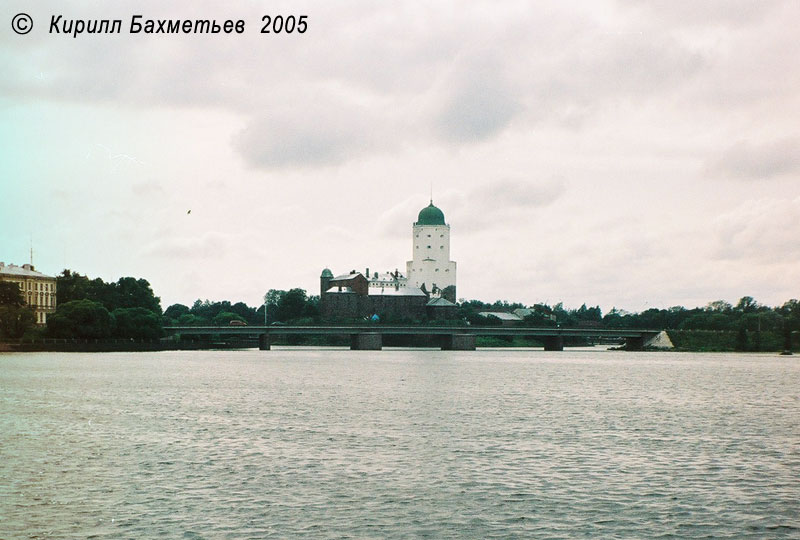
point(263, 339)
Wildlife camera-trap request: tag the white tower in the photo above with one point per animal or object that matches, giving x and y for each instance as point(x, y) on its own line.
point(431, 265)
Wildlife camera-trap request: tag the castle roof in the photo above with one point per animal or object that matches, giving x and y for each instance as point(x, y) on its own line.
point(440, 302)
point(391, 291)
point(340, 290)
point(430, 215)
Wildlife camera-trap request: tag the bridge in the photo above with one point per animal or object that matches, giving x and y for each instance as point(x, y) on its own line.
point(458, 338)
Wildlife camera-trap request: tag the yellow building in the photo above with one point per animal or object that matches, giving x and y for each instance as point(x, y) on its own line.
point(38, 290)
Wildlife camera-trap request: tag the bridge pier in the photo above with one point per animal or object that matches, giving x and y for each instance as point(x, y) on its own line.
point(263, 342)
point(634, 343)
point(553, 343)
point(366, 341)
point(458, 342)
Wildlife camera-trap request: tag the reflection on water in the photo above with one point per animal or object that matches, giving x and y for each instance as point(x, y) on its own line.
point(321, 443)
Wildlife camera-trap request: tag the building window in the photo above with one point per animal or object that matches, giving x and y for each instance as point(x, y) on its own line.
point(437, 269)
point(429, 247)
point(429, 236)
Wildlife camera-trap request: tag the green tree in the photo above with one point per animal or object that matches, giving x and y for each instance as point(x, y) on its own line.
point(224, 318)
point(127, 292)
point(584, 314)
point(719, 305)
point(71, 286)
point(791, 313)
point(247, 313)
point(130, 292)
point(15, 320)
point(747, 304)
point(449, 293)
point(291, 305)
point(208, 310)
point(83, 319)
point(742, 340)
point(10, 294)
point(190, 319)
point(173, 313)
point(137, 323)
point(311, 309)
point(98, 290)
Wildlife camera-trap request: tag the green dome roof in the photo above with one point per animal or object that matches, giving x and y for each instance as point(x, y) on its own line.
point(430, 215)
point(326, 273)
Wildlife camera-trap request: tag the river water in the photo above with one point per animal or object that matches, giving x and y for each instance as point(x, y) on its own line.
point(399, 444)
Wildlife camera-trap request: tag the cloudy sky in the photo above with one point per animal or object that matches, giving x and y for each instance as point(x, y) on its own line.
point(623, 153)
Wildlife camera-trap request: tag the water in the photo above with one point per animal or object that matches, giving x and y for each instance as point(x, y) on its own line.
point(399, 444)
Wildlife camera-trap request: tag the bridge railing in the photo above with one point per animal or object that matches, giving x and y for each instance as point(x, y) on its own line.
point(413, 330)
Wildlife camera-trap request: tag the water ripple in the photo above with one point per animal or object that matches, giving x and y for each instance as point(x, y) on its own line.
point(428, 444)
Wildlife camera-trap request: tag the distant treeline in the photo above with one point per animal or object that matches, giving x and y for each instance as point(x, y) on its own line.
point(292, 306)
point(719, 326)
point(128, 309)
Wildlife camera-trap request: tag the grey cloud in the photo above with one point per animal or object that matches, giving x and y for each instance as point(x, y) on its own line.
point(746, 160)
point(395, 222)
point(762, 231)
point(518, 193)
point(479, 102)
point(210, 245)
point(307, 134)
point(410, 82)
point(707, 12)
point(495, 204)
point(610, 68)
point(148, 189)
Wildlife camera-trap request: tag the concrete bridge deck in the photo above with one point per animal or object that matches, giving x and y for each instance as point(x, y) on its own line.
point(369, 336)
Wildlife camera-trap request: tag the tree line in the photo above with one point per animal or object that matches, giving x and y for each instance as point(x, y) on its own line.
point(745, 326)
point(292, 307)
point(128, 309)
point(94, 309)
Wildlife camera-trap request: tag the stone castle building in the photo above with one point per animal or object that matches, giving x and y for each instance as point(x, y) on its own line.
point(431, 268)
point(428, 290)
point(38, 290)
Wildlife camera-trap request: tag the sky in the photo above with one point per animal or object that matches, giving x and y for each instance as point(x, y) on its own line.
point(626, 154)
